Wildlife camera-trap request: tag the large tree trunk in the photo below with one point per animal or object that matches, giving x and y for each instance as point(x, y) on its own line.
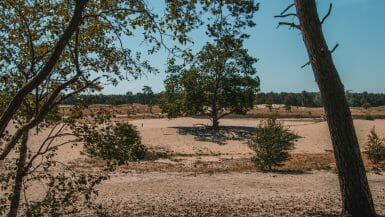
point(20, 173)
point(355, 192)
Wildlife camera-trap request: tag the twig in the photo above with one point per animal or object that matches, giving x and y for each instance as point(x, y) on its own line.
point(327, 14)
point(331, 51)
point(285, 15)
point(306, 64)
point(334, 48)
point(291, 25)
point(287, 8)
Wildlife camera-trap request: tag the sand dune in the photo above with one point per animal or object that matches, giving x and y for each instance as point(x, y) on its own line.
point(251, 193)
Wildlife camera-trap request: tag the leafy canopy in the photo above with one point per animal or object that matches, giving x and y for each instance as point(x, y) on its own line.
point(51, 50)
point(221, 80)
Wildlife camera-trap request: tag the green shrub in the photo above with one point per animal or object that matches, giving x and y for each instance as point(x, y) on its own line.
point(369, 117)
point(120, 142)
point(271, 144)
point(375, 147)
point(366, 105)
point(287, 108)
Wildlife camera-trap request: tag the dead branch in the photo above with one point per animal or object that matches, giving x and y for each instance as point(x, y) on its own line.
point(291, 25)
point(334, 48)
point(285, 15)
point(331, 51)
point(327, 14)
point(287, 8)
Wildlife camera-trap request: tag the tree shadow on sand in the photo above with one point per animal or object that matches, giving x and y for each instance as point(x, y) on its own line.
point(220, 136)
point(289, 172)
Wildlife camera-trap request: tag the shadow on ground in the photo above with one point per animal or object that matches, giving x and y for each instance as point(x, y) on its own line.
point(219, 136)
point(290, 172)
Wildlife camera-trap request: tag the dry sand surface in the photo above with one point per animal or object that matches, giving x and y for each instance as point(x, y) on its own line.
point(231, 194)
point(170, 135)
point(190, 192)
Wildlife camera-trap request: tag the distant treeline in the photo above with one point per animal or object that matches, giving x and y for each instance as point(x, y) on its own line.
point(313, 99)
point(306, 99)
point(128, 98)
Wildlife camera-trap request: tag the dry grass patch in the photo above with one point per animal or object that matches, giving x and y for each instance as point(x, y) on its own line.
point(308, 162)
point(298, 163)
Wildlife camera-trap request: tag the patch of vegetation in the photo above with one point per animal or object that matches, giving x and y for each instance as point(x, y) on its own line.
point(369, 117)
point(222, 81)
point(120, 142)
point(67, 195)
point(375, 148)
point(271, 144)
point(366, 105)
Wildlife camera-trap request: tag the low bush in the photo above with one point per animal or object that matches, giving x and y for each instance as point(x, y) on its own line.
point(375, 147)
point(271, 144)
point(120, 142)
point(366, 105)
point(369, 117)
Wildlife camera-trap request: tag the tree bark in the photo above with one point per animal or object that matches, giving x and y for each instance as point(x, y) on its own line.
point(20, 173)
point(16, 101)
point(215, 122)
point(356, 196)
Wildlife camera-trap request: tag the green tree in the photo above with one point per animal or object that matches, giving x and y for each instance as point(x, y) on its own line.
point(271, 144)
point(149, 97)
point(366, 105)
point(221, 81)
point(307, 99)
point(51, 51)
point(375, 147)
point(117, 142)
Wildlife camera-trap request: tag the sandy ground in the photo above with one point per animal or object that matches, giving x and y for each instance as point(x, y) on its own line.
point(179, 137)
point(231, 194)
point(251, 193)
point(165, 133)
point(314, 193)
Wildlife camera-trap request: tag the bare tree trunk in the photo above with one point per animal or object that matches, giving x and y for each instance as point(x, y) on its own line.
point(18, 98)
point(355, 192)
point(215, 122)
point(20, 173)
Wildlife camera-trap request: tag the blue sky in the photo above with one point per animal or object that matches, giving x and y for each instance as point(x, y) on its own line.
point(357, 25)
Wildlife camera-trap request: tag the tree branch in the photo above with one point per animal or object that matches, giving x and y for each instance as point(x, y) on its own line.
point(44, 110)
point(18, 98)
point(334, 48)
point(331, 51)
point(287, 8)
point(225, 114)
point(327, 14)
point(291, 25)
point(48, 142)
point(285, 15)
